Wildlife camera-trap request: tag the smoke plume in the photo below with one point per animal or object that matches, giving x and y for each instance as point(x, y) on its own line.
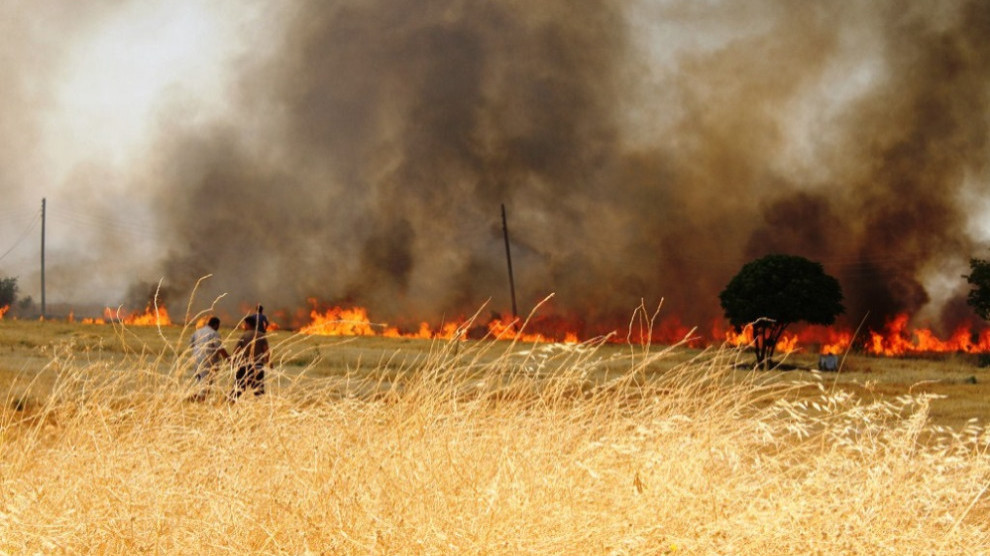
point(642, 151)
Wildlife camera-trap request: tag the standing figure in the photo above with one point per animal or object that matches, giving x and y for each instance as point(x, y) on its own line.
point(251, 355)
point(207, 349)
point(261, 319)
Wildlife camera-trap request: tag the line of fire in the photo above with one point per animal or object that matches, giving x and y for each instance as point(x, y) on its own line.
point(897, 338)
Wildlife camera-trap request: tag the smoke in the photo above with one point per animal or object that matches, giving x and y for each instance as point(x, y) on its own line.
point(891, 209)
point(387, 134)
point(643, 151)
point(396, 132)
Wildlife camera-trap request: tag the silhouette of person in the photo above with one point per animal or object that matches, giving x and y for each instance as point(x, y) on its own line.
point(251, 355)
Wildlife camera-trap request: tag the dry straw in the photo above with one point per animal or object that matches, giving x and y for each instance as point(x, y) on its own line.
point(487, 447)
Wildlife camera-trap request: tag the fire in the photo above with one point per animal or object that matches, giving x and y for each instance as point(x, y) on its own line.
point(897, 339)
point(354, 321)
point(786, 344)
point(3, 311)
point(837, 342)
point(337, 321)
point(447, 331)
point(507, 328)
point(152, 316)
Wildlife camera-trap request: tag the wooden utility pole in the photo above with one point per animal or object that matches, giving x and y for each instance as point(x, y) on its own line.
point(43, 313)
point(508, 257)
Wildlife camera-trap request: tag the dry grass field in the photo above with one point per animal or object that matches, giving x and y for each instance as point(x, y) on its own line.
point(379, 446)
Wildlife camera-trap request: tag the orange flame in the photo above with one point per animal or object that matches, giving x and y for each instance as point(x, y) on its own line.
point(337, 321)
point(837, 343)
point(787, 343)
point(354, 321)
point(507, 328)
point(3, 311)
point(152, 316)
point(897, 339)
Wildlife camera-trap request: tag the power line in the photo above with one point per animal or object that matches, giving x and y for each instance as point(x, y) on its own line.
point(101, 222)
point(24, 235)
point(17, 213)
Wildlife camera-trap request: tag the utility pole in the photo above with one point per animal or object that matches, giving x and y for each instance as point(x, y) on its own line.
point(508, 257)
point(43, 313)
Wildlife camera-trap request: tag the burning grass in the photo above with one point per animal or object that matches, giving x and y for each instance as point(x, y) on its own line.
point(480, 447)
point(897, 337)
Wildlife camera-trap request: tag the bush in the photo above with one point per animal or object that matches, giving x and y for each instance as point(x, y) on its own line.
point(8, 291)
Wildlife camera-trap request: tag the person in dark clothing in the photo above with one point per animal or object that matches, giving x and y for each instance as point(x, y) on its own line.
point(251, 355)
point(261, 320)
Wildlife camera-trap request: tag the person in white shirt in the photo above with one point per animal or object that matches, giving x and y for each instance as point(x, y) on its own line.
point(208, 351)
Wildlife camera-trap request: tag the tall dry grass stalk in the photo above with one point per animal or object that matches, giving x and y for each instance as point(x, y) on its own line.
point(482, 448)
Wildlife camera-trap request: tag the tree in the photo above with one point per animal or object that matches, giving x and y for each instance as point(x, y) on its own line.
point(776, 291)
point(979, 277)
point(8, 291)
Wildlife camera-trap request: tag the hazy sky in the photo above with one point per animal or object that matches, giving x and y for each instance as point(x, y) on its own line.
point(358, 151)
point(88, 87)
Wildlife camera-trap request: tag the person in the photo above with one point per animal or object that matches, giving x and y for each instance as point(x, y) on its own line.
point(208, 351)
point(828, 362)
point(261, 319)
point(251, 355)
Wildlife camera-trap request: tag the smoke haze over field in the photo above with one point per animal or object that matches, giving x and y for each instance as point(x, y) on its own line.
point(358, 152)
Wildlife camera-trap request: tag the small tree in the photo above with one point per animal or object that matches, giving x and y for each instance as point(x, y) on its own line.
point(979, 277)
point(8, 291)
point(775, 291)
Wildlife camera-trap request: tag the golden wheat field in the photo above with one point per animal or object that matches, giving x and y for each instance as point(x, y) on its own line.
point(377, 446)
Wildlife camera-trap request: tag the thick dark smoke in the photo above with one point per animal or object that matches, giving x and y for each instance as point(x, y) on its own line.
point(892, 208)
point(375, 147)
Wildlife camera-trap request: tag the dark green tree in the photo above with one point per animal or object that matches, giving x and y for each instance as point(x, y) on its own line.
point(776, 291)
point(979, 277)
point(8, 291)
